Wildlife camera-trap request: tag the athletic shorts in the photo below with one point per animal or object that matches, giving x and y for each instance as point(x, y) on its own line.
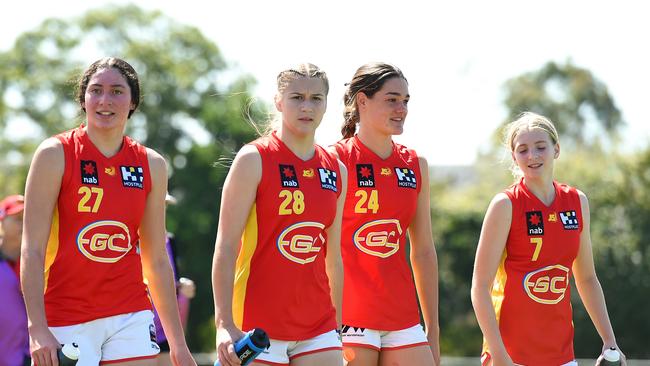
point(383, 340)
point(486, 360)
point(282, 352)
point(118, 338)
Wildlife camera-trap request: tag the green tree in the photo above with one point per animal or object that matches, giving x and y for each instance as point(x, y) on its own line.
point(572, 97)
point(189, 113)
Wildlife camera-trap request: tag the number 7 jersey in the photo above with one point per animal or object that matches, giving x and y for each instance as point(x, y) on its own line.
point(280, 281)
point(531, 293)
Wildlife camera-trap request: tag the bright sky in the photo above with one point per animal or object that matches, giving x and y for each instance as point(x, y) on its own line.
point(455, 54)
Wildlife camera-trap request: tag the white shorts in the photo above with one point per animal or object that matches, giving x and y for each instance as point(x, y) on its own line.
point(383, 340)
point(282, 352)
point(118, 338)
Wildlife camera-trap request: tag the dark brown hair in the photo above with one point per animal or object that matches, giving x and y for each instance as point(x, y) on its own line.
point(127, 71)
point(368, 79)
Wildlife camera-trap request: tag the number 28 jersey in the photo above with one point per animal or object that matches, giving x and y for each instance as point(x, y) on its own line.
point(379, 292)
point(281, 284)
point(531, 292)
point(92, 264)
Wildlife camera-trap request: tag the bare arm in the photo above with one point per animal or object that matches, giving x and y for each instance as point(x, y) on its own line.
point(40, 201)
point(494, 234)
point(237, 199)
point(155, 262)
point(333, 261)
point(424, 261)
point(588, 285)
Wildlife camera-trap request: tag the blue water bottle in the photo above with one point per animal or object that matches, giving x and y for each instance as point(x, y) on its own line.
point(250, 346)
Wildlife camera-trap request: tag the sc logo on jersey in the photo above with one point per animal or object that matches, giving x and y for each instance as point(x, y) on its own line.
point(104, 241)
point(301, 242)
point(379, 238)
point(547, 285)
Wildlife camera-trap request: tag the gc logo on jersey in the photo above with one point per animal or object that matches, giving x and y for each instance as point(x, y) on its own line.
point(104, 241)
point(288, 176)
point(535, 223)
point(89, 172)
point(547, 285)
point(365, 175)
point(327, 179)
point(569, 220)
point(301, 242)
point(406, 178)
point(132, 176)
point(379, 238)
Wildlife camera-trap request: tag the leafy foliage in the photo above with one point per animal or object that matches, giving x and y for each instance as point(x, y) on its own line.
point(187, 113)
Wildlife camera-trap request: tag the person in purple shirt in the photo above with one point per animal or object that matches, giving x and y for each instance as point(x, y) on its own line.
point(185, 290)
point(14, 340)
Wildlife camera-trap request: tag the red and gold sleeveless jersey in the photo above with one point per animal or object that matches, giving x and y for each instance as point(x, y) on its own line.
point(379, 292)
point(531, 293)
point(92, 264)
point(281, 284)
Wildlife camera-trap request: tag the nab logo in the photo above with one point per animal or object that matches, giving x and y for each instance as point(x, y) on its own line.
point(569, 220)
point(104, 241)
point(365, 175)
point(89, 172)
point(327, 179)
point(379, 238)
point(406, 178)
point(301, 242)
point(535, 223)
point(132, 176)
point(288, 176)
point(547, 285)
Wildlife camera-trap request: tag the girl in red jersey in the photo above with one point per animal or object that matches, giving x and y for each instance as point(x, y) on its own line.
point(94, 224)
point(388, 195)
point(535, 236)
point(277, 263)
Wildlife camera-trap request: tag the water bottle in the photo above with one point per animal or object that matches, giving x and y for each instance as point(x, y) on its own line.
point(611, 357)
point(68, 354)
point(250, 346)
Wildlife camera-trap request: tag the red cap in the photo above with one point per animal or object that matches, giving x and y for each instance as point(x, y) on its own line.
point(11, 205)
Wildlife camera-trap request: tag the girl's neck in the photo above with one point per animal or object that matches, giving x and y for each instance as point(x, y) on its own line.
point(542, 189)
point(108, 142)
point(302, 147)
point(380, 144)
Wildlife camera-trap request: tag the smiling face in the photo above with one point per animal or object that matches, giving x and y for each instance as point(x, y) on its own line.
point(386, 110)
point(302, 103)
point(534, 153)
point(107, 99)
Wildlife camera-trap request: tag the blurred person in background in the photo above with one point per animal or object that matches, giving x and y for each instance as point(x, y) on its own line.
point(14, 340)
point(185, 291)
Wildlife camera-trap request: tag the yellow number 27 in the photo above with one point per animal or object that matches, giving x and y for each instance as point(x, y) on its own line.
point(86, 193)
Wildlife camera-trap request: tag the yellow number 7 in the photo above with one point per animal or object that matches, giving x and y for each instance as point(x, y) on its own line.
point(538, 247)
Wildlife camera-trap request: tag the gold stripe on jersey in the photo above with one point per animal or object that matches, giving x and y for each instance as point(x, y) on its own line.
point(243, 266)
point(499, 285)
point(52, 246)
